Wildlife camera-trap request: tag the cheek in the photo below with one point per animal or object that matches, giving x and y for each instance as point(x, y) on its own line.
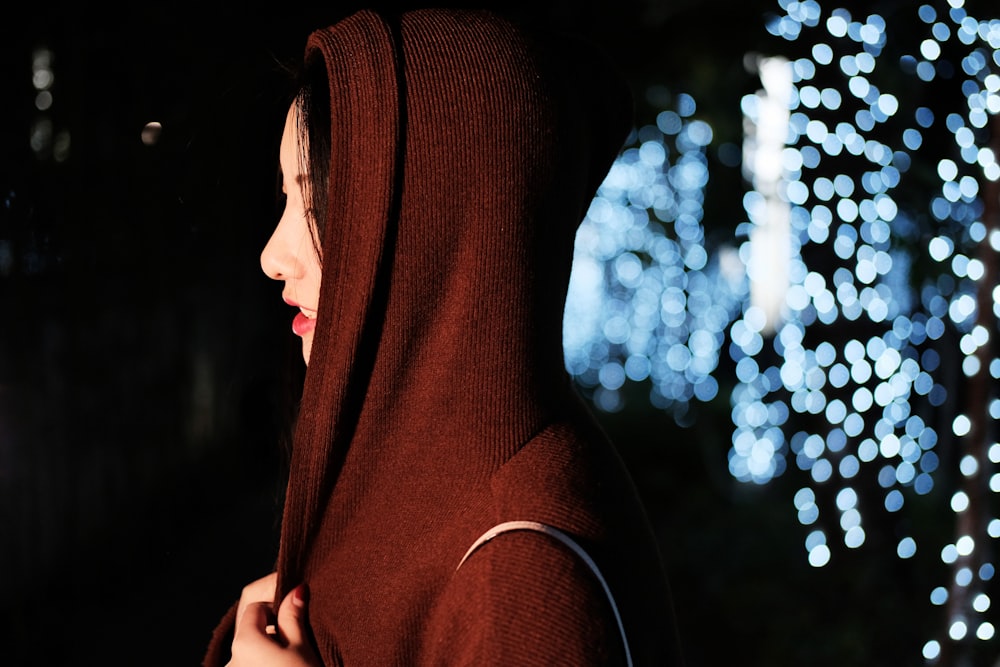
point(313, 278)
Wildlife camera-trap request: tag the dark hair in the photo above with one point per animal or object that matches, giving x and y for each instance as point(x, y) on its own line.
point(311, 96)
point(313, 104)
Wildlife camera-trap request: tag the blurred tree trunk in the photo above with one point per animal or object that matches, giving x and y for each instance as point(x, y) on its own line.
point(973, 522)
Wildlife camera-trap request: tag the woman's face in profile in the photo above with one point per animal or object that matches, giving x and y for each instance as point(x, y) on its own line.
point(290, 254)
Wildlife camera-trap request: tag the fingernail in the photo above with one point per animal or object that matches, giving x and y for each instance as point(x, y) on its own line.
point(300, 595)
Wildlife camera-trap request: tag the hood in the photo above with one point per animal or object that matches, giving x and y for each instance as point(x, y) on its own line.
point(465, 152)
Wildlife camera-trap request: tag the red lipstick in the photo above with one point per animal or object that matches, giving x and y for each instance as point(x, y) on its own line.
point(302, 325)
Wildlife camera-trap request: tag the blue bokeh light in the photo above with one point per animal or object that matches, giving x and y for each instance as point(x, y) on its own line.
point(858, 254)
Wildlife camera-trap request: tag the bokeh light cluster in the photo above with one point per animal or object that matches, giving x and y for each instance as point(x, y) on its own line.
point(646, 300)
point(872, 384)
point(883, 300)
point(46, 140)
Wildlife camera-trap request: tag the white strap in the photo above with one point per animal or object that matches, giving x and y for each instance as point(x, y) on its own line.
point(509, 526)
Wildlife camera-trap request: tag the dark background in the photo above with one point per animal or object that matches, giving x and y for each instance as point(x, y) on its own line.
point(146, 362)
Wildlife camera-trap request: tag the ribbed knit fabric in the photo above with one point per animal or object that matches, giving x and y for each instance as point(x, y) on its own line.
point(465, 152)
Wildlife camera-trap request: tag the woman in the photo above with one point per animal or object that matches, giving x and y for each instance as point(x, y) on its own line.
point(436, 165)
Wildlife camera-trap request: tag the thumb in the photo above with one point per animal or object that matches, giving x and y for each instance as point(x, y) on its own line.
point(292, 616)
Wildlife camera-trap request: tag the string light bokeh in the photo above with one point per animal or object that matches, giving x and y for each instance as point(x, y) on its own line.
point(853, 306)
point(646, 300)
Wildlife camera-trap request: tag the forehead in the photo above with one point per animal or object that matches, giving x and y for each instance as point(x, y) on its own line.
point(289, 152)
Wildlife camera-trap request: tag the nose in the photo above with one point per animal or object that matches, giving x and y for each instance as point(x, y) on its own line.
point(277, 259)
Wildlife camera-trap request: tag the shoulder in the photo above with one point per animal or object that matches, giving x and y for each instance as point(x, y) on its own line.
point(525, 598)
point(570, 476)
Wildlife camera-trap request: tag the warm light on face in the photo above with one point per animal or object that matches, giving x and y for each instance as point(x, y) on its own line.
point(290, 255)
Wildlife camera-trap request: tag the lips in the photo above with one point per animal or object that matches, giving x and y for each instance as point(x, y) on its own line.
point(302, 324)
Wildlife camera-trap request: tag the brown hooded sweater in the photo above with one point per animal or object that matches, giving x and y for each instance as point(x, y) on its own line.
point(465, 151)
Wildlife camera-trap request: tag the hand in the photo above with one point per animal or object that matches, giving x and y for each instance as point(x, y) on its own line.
point(261, 590)
point(261, 640)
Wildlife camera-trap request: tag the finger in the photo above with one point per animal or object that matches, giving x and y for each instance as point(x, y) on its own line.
point(260, 590)
point(292, 620)
point(257, 617)
point(251, 645)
